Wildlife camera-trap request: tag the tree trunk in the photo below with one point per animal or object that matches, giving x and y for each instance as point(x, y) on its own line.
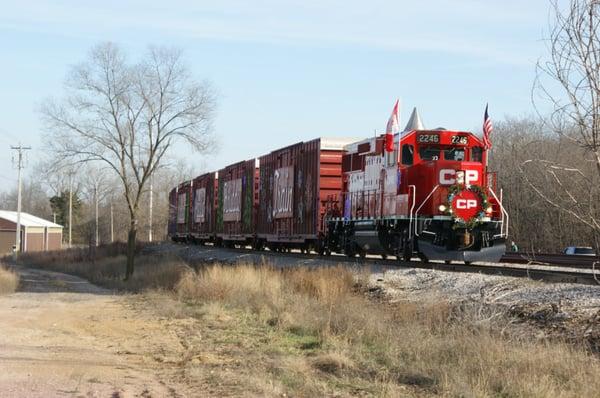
point(131, 238)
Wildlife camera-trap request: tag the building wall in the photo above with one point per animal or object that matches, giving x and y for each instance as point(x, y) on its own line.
point(7, 225)
point(37, 239)
point(7, 241)
point(35, 242)
point(54, 240)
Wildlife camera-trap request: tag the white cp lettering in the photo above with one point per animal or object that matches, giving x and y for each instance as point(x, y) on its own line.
point(448, 176)
point(466, 203)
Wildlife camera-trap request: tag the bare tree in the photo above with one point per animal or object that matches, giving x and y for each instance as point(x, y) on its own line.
point(570, 80)
point(129, 116)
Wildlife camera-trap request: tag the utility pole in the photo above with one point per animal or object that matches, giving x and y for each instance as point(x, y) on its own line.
point(150, 212)
point(112, 228)
point(96, 214)
point(70, 209)
point(19, 163)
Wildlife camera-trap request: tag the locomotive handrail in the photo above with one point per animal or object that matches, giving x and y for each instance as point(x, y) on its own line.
point(504, 219)
point(423, 204)
point(410, 214)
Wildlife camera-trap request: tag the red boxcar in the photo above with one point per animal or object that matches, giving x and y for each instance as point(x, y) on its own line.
point(172, 223)
point(296, 184)
point(236, 206)
point(183, 214)
point(202, 212)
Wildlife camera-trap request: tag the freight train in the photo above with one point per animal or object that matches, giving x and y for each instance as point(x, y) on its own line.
point(432, 197)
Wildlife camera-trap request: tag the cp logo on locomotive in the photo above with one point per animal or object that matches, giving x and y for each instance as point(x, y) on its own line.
point(466, 204)
point(448, 176)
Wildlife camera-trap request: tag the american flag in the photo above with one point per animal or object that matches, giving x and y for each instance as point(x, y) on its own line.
point(487, 129)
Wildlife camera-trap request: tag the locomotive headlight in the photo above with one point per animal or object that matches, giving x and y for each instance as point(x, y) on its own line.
point(460, 177)
point(443, 208)
point(489, 210)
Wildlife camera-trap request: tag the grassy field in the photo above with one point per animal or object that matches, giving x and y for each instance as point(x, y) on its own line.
point(263, 331)
point(9, 281)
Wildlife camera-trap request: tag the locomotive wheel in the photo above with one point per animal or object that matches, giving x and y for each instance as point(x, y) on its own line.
point(384, 256)
point(362, 253)
point(423, 258)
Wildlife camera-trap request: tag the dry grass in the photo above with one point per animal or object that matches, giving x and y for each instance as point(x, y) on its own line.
point(326, 338)
point(9, 281)
point(257, 330)
point(106, 267)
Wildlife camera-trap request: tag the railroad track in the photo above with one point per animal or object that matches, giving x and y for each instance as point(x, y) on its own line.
point(582, 276)
point(562, 260)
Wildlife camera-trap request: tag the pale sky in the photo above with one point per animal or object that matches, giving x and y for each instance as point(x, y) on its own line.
point(287, 71)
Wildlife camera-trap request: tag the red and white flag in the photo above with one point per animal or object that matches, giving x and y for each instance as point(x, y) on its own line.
point(487, 129)
point(393, 126)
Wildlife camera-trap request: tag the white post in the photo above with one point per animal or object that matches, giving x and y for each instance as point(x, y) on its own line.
point(96, 200)
point(70, 210)
point(150, 215)
point(112, 229)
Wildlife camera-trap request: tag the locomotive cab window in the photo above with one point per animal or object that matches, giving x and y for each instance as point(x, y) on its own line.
point(407, 154)
point(456, 154)
point(429, 153)
point(477, 154)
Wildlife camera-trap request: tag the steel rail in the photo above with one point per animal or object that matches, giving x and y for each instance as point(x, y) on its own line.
point(562, 260)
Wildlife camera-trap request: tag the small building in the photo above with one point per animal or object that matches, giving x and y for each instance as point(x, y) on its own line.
point(37, 234)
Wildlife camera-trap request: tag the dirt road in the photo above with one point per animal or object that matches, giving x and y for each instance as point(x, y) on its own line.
point(61, 336)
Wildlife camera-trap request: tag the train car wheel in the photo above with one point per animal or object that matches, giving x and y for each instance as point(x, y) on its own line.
point(468, 263)
point(448, 262)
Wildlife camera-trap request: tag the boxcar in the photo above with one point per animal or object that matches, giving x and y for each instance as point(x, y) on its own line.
point(202, 211)
point(297, 183)
point(172, 223)
point(237, 194)
point(182, 222)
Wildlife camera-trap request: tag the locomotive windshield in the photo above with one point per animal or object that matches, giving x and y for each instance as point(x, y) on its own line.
point(456, 154)
point(429, 153)
point(477, 154)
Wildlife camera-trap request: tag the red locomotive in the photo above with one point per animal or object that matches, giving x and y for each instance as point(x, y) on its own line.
point(432, 196)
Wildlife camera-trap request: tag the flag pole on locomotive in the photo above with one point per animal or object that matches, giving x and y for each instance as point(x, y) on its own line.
point(487, 132)
point(393, 127)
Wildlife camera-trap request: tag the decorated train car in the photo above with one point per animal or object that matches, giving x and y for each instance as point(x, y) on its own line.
point(182, 213)
point(172, 221)
point(430, 197)
point(203, 207)
point(297, 183)
point(237, 193)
